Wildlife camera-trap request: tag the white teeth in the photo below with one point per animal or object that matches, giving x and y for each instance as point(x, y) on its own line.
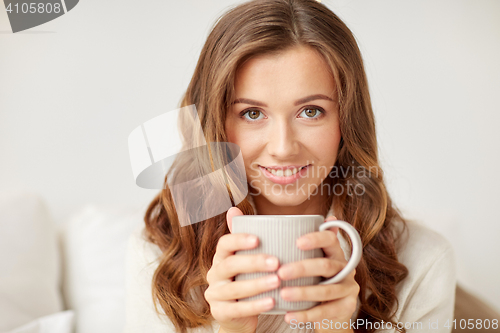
point(286, 173)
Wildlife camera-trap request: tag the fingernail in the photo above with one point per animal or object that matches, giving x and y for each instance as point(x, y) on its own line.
point(304, 243)
point(267, 303)
point(285, 271)
point(289, 317)
point(272, 262)
point(287, 293)
point(272, 280)
point(251, 240)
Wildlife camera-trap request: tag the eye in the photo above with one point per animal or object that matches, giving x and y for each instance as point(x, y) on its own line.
point(312, 112)
point(252, 115)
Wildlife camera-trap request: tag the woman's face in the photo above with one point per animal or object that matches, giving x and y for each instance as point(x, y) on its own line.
point(285, 117)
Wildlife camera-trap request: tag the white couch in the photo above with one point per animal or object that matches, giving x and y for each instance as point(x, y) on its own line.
point(64, 278)
point(70, 278)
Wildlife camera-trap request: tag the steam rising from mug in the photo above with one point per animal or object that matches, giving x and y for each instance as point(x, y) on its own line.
point(203, 178)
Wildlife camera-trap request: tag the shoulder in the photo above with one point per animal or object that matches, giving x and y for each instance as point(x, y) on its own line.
point(428, 292)
point(142, 258)
point(418, 247)
point(140, 247)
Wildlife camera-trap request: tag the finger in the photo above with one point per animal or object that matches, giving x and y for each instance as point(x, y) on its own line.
point(305, 242)
point(341, 309)
point(317, 239)
point(230, 243)
point(244, 263)
point(233, 211)
point(326, 240)
point(225, 311)
point(325, 267)
point(319, 293)
point(242, 289)
point(332, 218)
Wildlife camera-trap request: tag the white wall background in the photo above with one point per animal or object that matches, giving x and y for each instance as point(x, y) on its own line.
point(72, 90)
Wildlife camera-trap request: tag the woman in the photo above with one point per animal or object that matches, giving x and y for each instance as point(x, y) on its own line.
point(284, 80)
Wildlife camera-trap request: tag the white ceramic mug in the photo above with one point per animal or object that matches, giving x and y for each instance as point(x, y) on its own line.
point(277, 237)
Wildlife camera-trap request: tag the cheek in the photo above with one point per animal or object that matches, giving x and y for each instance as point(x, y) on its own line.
point(323, 139)
point(332, 145)
point(234, 134)
point(332, 136)
point(333, 141)
point(229, 129)
point(324, 144)
point(237, 136)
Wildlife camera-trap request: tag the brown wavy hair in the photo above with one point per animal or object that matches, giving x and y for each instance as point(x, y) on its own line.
point(264, 27)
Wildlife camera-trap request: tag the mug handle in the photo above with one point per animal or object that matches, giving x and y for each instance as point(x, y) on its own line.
point(356, 249)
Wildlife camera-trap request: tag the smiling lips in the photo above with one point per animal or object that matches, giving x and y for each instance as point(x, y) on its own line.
point(284, 175)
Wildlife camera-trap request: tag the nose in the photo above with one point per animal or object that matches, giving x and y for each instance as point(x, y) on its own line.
point(282, 140)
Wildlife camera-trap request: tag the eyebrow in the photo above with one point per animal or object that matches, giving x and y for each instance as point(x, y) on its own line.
point(297, 102)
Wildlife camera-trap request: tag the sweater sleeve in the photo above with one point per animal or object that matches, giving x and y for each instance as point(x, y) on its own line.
point(427, 297)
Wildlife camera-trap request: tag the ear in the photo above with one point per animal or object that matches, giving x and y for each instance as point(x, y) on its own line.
point(233, 211)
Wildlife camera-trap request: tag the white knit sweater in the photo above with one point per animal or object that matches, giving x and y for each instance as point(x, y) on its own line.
point(426, 297)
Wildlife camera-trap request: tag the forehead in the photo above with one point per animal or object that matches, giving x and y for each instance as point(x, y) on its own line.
point(295, 69)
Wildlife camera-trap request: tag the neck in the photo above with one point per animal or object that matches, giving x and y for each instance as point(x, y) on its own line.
point(314, 205)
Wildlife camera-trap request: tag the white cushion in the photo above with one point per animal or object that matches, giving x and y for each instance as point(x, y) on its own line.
point(94, 247)
point(61, 322)
point(29, 261)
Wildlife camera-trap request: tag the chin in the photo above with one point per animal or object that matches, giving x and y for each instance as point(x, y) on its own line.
point(285, 200)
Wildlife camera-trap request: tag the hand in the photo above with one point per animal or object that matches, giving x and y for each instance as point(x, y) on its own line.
point(222, 292)
point(338, 300)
